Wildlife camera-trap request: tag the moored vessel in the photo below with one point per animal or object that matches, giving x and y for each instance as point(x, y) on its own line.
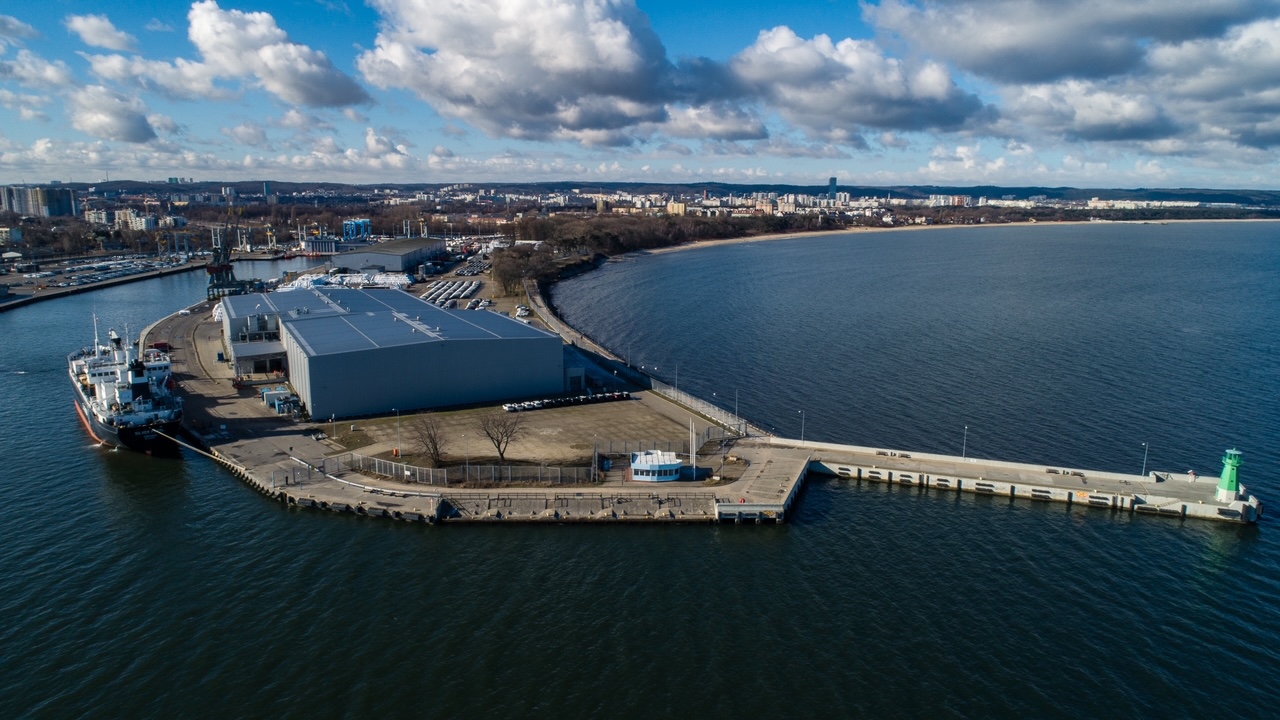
point(125, 396)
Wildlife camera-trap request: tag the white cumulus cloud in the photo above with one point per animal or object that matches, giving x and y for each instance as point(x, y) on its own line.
point(181, 79)
point(833, 88)
point(31, 70)
point(247, 133)
point(251, 45)
point(99, 31)
point(13, 31)
point(236, 45)
point(106, 114)
point(539, 69)
point(1044, 41)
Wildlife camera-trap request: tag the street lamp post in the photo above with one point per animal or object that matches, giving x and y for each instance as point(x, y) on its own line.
point(397, 452)
point(965, 445)
point(742, 427)
point(1145, 448)
point(801, 426)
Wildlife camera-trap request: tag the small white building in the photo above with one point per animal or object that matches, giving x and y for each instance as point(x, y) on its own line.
point(655, 466)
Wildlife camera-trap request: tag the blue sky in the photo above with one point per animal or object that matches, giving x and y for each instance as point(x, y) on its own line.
point(1142, 93)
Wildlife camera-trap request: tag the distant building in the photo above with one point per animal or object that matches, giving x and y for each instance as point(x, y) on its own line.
point(10, 235)
point(358, 230)
point(100, 217)
point(144, 222)
point(319, 244)
point(403, 255)
point(831, 189)
point(38, 201)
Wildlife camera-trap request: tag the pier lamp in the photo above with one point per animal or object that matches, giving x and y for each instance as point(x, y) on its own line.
point(1145, 449)
point(965, 444)
point(397, 412)
point(333, 431)
point(801, 425)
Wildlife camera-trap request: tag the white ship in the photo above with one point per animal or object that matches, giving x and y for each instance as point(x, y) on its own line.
point(125, 398)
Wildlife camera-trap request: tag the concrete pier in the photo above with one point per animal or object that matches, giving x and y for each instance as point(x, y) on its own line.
point(1157, 493)
point(297, 466)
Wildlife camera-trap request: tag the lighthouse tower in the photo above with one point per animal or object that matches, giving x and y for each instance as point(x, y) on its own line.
point(1229, 484)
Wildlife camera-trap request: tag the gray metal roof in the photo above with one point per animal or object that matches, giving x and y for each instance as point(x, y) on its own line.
point(327, 321)
point(322, 301)
point(398, 248)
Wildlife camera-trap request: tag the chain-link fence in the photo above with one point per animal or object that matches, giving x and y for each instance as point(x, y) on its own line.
point(624, 448)
point(469, 475)
point(731, 424)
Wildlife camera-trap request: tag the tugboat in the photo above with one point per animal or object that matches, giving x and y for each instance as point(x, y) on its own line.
point(126, 399)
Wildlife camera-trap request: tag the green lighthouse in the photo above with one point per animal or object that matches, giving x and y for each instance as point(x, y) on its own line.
point(1229, 485)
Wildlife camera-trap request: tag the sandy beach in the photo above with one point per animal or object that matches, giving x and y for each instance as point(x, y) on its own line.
point(916, 228)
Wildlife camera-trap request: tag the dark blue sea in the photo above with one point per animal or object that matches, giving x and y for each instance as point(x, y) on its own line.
point(139, 587)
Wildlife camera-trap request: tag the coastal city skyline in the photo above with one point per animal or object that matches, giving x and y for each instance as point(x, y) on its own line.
point(998, 92)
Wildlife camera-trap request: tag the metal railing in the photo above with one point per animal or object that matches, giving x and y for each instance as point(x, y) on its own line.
point(470, 475)
point(730, 421)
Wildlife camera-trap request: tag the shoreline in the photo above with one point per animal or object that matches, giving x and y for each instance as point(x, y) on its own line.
point(24, 299)
point(859, 230)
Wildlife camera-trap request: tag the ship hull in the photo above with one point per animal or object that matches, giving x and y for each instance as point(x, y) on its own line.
point(142, 438)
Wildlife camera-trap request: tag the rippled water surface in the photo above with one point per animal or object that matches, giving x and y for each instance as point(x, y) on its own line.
point(146, 588)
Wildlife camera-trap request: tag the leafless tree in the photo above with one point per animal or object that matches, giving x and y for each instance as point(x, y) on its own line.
point(426, 430)
point(501, 428)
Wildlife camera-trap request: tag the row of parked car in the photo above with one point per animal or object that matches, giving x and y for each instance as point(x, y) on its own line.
point(564, 402)
point(474, 266)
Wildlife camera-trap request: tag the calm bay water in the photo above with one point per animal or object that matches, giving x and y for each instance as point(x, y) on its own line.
point(148, 588)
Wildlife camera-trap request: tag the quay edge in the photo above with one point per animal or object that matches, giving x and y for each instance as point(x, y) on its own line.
point(1157, 493)
point(776, 474)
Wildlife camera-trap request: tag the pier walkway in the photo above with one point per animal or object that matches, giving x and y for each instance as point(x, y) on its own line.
point(1160, 493)
point(294, 464)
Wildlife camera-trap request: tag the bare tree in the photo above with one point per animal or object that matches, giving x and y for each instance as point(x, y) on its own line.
point(501, 428)
point(430, 436)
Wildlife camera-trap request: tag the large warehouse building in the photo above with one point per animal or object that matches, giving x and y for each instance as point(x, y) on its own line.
point(357, 352)
point(402, 255)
